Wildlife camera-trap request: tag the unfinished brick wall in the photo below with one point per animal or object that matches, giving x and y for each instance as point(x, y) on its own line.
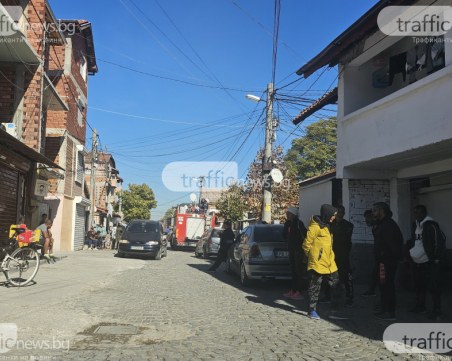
point(70, 167)
point(7, 91)
point(32, 109)
point(52, 151)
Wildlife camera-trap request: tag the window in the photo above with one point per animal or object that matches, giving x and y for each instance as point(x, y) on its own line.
point(81, 110)
point(80, 168)
point(83, 66)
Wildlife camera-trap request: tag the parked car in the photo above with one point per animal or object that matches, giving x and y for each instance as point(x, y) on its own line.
point(209, 243)
point(260, 252)
point(143, 237)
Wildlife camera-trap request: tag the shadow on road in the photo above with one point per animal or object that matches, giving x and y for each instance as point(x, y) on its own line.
point(358, 319)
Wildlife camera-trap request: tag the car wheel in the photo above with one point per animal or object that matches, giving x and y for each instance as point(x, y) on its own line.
point(244, 280)
point(158, 256)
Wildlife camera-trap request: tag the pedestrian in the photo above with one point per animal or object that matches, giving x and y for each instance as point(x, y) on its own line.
point(342, 231)
point(226, 239)
point(43, 219)
point(295, 232)
point(373, 279)
point(389, 252)
point(427, 249)
point(318, 247)
point(92, 238)
point(45, 238)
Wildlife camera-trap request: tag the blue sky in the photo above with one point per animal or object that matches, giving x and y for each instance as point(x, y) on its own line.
point(217, 51)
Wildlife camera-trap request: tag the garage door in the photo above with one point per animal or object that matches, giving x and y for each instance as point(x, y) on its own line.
point(79, 234)
point(8, 201)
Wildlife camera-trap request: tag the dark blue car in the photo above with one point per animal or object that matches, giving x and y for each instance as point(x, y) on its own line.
point(143, 237)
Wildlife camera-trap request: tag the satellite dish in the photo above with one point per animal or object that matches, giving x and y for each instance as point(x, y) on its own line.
point(276, 175)
point(193, 197)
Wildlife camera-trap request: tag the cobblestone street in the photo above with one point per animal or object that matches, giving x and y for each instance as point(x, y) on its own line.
point(173, 310)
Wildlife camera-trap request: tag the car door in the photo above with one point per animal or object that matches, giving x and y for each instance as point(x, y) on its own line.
point(240, 245)
point(244, 246)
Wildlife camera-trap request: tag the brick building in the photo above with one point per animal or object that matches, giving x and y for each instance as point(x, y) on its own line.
point(26, 96)
point(44, 67)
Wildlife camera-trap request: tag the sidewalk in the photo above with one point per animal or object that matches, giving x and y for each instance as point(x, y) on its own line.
point(37, 308)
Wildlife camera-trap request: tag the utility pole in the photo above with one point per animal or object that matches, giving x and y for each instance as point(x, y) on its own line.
point(93, 178)
point(267, 159)
point(201, 181)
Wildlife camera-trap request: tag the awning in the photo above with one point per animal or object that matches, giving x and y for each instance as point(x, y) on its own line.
point(18, 147)
point(327, 98)
point(52, 99)
point(14, 46)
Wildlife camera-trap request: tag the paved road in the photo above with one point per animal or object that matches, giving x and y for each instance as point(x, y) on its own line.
point(108, 308)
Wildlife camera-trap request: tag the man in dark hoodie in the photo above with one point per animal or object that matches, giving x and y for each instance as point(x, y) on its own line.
point(427, 249)
point(295, 233)
point(388, 253)
point(318, 247)
point(226, 239)
point(342, 231)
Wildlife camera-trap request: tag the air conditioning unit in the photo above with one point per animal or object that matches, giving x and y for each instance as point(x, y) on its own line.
point(11, 129)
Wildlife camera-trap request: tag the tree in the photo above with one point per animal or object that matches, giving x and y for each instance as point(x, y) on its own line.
point(315, 152)
point(284, 194)
point(231, 204)
point(138, 201)
point(170, 213)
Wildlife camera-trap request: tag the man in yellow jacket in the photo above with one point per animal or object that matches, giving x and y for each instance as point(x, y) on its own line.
point(318, 247)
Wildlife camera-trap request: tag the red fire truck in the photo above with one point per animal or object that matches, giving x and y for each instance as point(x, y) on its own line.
point(189, 226)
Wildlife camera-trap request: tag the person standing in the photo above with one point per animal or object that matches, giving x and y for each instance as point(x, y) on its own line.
point(227, 237)
point(388, 252)
point(318, 247)
point(342, 231)
point(426, 249)
point(295, 232)
point(370, 222)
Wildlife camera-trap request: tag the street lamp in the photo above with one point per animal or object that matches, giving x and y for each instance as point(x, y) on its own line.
point(267, 159)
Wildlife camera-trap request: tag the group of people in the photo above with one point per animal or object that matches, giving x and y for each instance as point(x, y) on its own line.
point(322, 252)
point(98, 238)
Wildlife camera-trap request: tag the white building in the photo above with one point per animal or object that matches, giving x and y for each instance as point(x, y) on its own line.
point(394, 120)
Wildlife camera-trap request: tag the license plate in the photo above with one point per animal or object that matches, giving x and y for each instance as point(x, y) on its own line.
point(137, 248)
point(282, 254)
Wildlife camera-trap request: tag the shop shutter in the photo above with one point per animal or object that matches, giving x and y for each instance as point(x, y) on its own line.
point(79, 234)
point(8, 200)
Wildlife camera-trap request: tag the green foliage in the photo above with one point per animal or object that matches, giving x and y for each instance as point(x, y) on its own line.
point(232, 204)
point(315, 152)
point(137, 202)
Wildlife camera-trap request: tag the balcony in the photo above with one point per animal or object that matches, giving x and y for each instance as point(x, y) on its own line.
point(410, 126)
point(15, 48)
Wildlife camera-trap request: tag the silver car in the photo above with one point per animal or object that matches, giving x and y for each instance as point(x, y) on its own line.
point(209, 244)
point(260, 252)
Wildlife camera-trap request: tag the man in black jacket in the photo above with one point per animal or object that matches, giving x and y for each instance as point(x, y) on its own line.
point(295, 233)
point(226, 239)
point(388, 252)
point(426, 249)
point(342, 231)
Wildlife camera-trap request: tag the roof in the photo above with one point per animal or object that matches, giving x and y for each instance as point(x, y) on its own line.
point(328, 98)
point(319, 178)
point(364, 26)
point(18, 147)
point(86, 31)
point(213, 195)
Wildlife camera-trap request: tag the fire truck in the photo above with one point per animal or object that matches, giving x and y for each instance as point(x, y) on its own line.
point(189, 226)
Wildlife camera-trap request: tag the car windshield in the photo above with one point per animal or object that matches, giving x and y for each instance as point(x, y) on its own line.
point(269, 234)
point(143, 227)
